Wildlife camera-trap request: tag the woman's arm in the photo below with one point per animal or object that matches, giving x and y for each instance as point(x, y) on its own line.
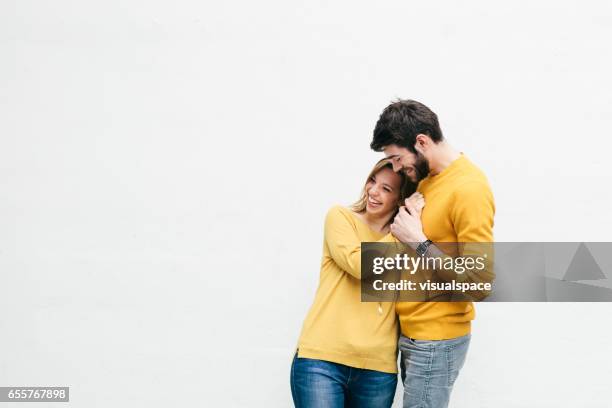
point(343, 243)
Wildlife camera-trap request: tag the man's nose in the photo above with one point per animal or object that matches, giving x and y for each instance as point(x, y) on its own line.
point(396, 166)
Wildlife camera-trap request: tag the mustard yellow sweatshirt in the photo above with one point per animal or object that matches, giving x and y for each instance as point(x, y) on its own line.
point(459, 207)
point(339, 327)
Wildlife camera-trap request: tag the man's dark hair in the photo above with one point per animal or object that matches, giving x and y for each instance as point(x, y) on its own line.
point(401, 122)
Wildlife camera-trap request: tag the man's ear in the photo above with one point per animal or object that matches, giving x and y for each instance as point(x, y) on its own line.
point(423, 142)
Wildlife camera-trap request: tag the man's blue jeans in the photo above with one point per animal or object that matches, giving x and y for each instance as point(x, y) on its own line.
point(322, 384)
point(430, 368)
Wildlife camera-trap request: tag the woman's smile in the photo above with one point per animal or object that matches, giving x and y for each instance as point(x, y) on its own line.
point(373, 203)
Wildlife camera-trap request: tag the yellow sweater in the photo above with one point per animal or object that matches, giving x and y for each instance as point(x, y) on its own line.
point(339, 327)
point(459, 207)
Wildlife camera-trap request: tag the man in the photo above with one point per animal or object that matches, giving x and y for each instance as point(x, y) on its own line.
point(459, 208)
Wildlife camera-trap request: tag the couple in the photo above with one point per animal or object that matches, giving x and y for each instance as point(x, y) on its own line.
point(347, 350)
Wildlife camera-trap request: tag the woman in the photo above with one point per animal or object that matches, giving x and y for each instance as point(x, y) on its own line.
point(347, 351)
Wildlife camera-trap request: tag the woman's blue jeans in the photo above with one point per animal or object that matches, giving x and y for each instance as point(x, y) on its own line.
point(323, 384)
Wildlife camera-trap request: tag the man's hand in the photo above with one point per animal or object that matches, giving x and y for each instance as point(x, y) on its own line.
point(407, 225)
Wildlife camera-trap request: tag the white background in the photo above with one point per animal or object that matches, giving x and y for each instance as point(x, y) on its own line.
point(165, 168)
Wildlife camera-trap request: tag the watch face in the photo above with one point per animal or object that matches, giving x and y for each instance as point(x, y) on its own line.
point(422, 248)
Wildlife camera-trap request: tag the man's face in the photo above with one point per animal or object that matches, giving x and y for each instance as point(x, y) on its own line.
point(415, 166)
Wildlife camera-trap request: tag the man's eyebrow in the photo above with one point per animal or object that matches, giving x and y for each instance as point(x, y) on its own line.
point(393, 156)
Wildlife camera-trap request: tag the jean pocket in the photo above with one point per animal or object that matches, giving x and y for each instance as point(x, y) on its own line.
point(456, 352)
point(422, 343)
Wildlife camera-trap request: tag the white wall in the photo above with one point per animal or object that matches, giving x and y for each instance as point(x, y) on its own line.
point(165, 169)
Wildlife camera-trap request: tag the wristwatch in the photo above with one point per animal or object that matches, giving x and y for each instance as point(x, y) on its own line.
point(421, 250)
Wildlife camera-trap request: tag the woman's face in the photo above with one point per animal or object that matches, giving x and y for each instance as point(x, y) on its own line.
point(382, 192)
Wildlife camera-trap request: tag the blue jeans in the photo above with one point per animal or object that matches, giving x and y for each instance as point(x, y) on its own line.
point(430, 368)
point(322, 384)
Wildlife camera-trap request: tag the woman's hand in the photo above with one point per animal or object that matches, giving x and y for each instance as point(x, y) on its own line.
point(407, 226)
point(416, 201)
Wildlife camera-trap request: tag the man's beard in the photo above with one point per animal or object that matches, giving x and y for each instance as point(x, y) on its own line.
point(421, 167)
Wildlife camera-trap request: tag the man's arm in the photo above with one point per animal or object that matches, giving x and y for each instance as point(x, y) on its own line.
point(472, 215)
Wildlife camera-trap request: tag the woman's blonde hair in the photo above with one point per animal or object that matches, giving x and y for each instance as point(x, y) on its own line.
point(407, 187)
